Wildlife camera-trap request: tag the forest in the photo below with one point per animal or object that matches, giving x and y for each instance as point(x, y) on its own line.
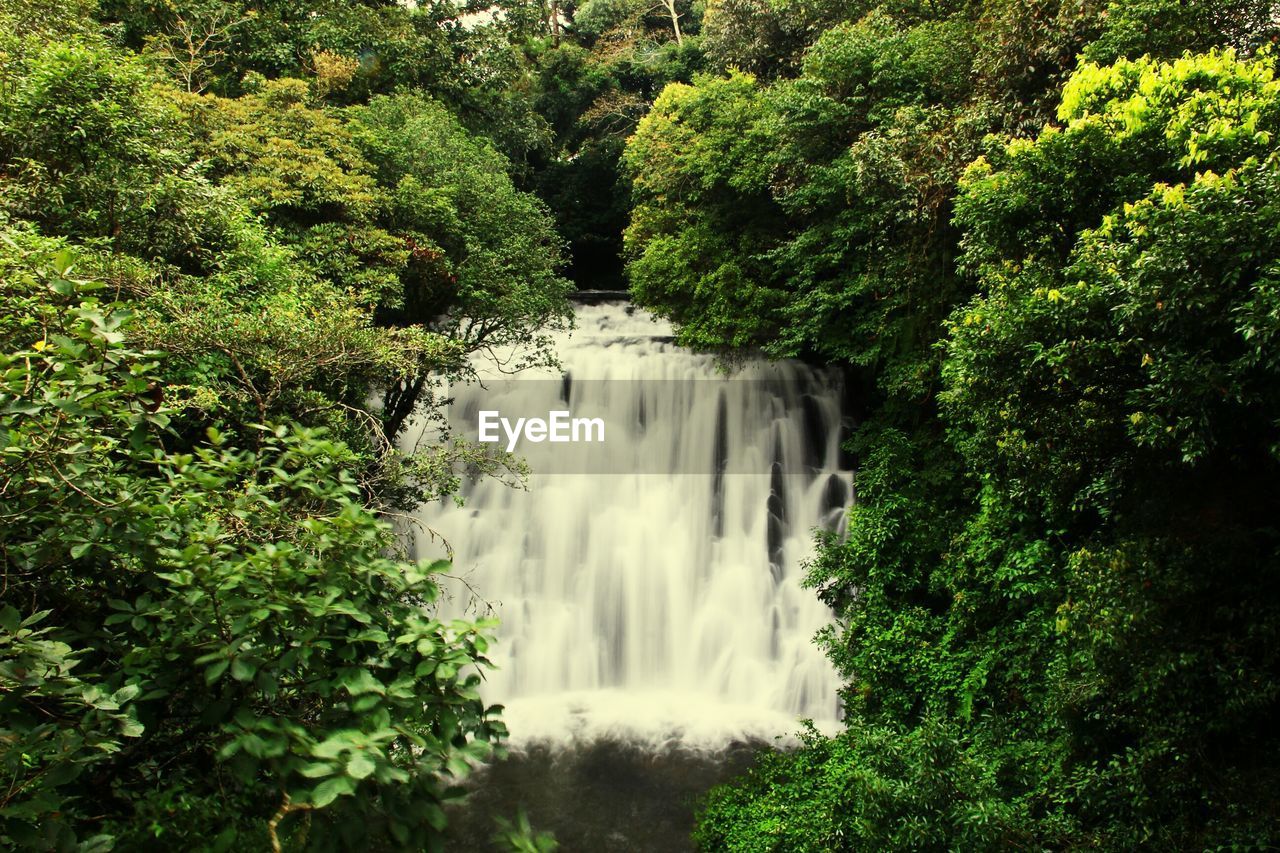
point(238, 238)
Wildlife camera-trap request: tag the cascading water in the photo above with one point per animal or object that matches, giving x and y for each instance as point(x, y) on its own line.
point(648, 586)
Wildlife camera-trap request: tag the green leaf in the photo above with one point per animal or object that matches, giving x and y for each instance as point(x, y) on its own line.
point(330, 789)
point(10, 619)
point(366, 703)
point(435, 816)
point(243, 669)
point(359, 767)
point(316, 769)
point(124, 694)
point(358, 681)
point(213, 673)
point(62, 261)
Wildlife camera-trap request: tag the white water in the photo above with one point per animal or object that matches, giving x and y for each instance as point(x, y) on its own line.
point(650, 600)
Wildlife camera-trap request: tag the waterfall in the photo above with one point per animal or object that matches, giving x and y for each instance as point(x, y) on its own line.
point(649, 585)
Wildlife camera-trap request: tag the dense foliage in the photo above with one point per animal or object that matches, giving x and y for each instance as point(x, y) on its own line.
point(227, 261)
point(196, 630)
point(1054, 282)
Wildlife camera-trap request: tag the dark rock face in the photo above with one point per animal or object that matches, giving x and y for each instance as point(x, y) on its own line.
point(836, 493)
point(776, 506)
point(815, 432)
point(720, 462)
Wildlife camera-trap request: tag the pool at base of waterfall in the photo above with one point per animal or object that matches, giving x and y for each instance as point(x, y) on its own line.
point(603, 796)
point(615, 770)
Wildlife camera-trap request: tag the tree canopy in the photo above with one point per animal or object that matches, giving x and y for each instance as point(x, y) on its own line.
point(225, 273)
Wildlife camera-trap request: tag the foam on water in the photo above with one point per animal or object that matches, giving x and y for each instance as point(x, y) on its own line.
point(654, 719)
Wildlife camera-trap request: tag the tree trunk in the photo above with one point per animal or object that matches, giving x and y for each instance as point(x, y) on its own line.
point(398, 403)
point(675, 20)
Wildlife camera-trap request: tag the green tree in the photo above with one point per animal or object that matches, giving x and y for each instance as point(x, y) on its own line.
point(484, 256)
point(1165, 30)
point(219, 630)
point(809, 217)
point(94, 152)
point(703, 220)
point(1057, 624)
